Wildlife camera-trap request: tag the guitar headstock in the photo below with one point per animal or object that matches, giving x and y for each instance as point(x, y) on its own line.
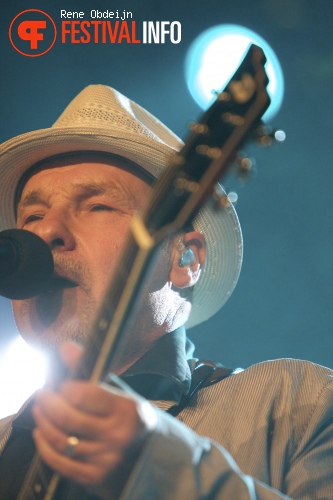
point(210, 148)
point(237, 109)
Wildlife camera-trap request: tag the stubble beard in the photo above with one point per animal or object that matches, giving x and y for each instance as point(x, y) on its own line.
point(62, 314)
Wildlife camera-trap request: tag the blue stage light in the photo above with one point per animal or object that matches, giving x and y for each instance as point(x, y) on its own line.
point(215, 55)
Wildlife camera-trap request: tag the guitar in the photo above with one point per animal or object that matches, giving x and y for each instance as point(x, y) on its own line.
point(176, 199)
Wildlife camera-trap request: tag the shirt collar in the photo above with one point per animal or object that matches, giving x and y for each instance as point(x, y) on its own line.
point(164, 371)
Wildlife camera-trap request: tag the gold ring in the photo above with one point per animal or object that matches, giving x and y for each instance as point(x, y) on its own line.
point(71, 444)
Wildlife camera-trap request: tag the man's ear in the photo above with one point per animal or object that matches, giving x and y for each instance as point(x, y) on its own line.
point(187, 258)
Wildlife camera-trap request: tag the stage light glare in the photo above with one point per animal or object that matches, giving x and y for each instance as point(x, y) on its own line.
point(22, 371)
point(215, 55)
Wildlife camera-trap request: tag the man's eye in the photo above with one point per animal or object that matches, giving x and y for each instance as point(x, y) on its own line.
point(101, 208)
point(32, 218)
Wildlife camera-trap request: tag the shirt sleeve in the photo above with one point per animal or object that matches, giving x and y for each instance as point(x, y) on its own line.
point(177, 463)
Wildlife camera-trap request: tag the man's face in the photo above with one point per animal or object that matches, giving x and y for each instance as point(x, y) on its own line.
point(83, 212)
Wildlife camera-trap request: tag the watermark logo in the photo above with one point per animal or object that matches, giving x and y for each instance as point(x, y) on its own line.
point(32, 33)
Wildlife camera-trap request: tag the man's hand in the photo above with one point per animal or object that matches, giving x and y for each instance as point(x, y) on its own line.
point(111, 427)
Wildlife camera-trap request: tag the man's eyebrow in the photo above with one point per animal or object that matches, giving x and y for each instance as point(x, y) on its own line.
point(122, 192)
point(81, 190)
point(32, 198)
point(93, 189)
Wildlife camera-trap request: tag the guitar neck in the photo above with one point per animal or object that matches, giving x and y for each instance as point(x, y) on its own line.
point(175, 201)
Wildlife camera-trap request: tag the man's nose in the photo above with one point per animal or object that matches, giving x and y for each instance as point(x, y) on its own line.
point(56, 233)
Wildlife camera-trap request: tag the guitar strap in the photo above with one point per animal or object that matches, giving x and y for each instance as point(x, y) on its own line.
point(205, 373)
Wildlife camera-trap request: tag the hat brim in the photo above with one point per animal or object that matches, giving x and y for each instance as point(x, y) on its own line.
point(221, 228)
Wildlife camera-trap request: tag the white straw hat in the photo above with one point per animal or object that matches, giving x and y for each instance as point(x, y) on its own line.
point(101, 119)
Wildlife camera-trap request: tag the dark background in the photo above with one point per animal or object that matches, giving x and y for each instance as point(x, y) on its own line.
point(282, 306)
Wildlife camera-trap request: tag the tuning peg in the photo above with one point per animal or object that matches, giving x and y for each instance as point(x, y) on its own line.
point(265, 135)
point(223, 200)
point(198, 128)
point(243, 166)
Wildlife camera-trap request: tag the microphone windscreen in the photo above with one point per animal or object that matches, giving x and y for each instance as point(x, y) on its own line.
point(30, 265)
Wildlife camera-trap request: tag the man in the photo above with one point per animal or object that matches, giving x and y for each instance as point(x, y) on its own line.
point(266, 432)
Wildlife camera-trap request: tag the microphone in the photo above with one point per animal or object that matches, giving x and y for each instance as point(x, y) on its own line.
point(26, 264)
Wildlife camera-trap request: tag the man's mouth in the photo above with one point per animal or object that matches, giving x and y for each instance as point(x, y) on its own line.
point(59, 283)
point(50, 303)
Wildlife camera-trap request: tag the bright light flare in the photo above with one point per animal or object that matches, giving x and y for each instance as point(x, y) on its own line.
point(22, 371)
point(216, 54)
point(280, 135)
